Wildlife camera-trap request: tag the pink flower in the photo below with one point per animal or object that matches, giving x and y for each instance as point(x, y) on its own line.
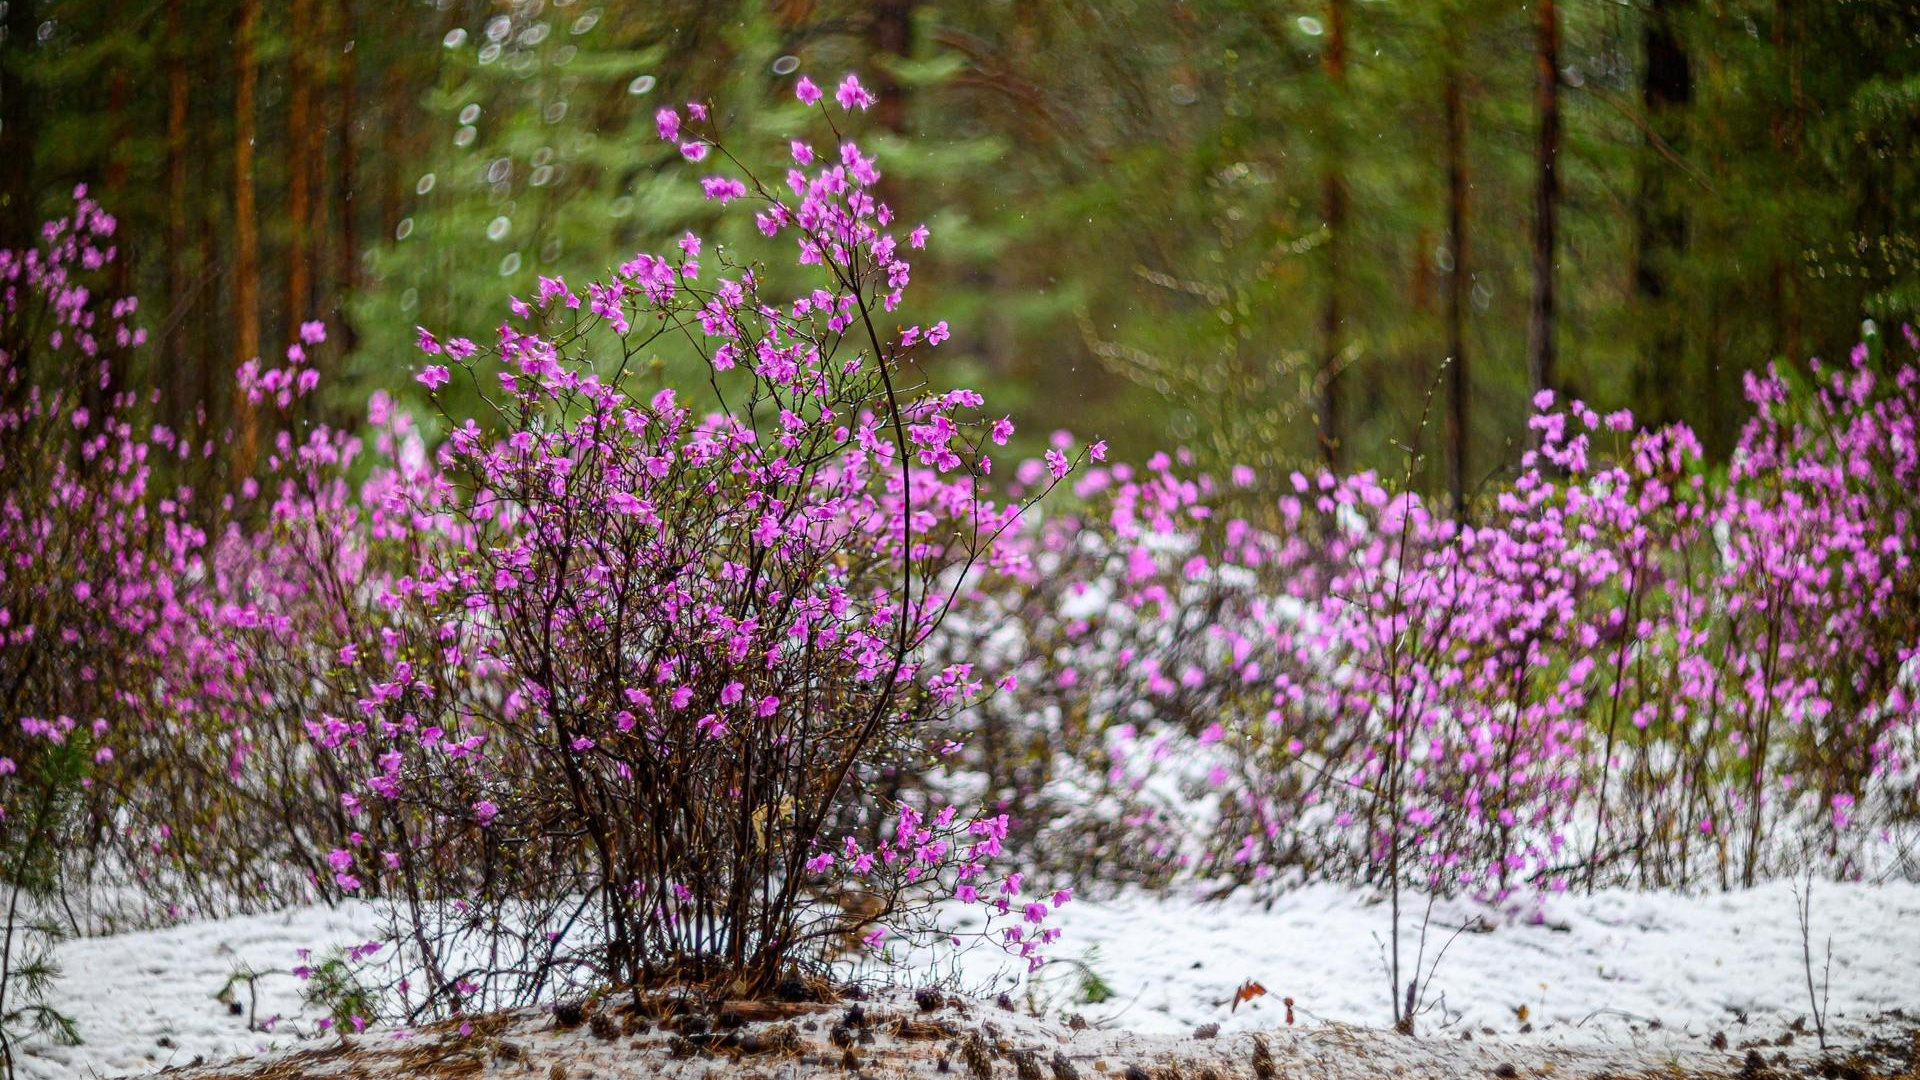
point(806, 91)
point(433, 377)
point(723, 189)
point(851, 93)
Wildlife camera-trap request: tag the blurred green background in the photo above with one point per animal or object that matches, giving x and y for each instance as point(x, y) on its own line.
point(1272, 231)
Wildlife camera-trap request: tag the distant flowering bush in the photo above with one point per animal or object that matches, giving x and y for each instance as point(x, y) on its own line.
point(110, 600)
point(90, 552)
point(87, 557)
point(1625, 667)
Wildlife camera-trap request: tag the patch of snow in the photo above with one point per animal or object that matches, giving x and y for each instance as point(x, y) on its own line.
point(1589, 970)
point(1620, 972)
point(146, 1000)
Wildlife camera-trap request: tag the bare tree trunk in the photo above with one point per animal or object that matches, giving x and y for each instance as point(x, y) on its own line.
point(104, 380)
point(246, 233)
point(1546, 199)
point(1660, 221)
point(300, 142)
point(891, 35)
point(220, 311)
point(1459, 430)
point(1789, 29)
point(1333, 201)
point(1792, 141)
point(180, 386)
point(393, 141)
point(117, 152)
point(346, 251)
point(17, 115)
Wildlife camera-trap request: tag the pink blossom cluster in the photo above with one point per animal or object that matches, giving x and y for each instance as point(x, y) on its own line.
point(95, 548)
point(604, 671)
point(1624, 666)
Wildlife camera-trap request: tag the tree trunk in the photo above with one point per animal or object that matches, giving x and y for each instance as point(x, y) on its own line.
point(220, 310)
point(1546, 198)
point(1333, 202)
point(891, 35)
point(1459, 431)
point(393, 142)
point(18, 226)
point(300, 170)
point(103, 381)
point(1796, 82)
point(346, 251)
point(118, 138)
point(246, 235)
point(1660, 219)
point(1789, 29)
point(180, 387)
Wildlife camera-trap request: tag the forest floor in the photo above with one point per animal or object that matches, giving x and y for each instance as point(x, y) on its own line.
point(1621, 983)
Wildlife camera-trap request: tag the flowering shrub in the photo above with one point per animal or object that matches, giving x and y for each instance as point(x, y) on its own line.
point(1624, 668)
point(609, 688)
point(83, 587)
point(602, 689)
point(110, 588)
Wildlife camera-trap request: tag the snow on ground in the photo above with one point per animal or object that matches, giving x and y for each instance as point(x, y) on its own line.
point(892, 1036)
point(1620, 972)
point(146, 1000)
point(1588, 969)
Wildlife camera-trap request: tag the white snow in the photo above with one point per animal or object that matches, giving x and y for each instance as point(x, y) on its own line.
point(1614, 971)
point(1590, 970)
point(146, 1000)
